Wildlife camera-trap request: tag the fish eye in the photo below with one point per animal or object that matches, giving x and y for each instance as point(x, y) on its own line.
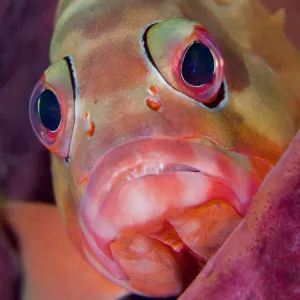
point(188, 58)
point(48, 109)
point(198, 65)
point(51, 107)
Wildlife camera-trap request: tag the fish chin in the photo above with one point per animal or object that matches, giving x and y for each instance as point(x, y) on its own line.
point(165, 215)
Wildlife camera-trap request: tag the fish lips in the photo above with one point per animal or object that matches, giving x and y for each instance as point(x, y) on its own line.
point(153, 169)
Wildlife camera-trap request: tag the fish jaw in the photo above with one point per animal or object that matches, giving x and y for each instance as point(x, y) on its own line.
point(161, 205)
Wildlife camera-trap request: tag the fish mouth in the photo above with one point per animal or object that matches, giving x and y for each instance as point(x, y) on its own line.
point(156, 191)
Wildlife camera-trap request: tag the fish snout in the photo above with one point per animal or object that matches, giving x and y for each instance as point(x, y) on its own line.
point(162, 207)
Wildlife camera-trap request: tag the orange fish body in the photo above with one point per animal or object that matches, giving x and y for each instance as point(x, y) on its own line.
point(162, 127)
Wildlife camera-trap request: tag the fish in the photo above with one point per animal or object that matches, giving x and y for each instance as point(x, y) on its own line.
point(162, 122)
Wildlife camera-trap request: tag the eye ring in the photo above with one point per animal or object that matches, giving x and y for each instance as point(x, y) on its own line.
point(51, 108)
point(45, 135)
point(207, 91)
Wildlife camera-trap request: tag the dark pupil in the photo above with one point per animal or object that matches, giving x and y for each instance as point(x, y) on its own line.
point(49, 110)
point(198, 65)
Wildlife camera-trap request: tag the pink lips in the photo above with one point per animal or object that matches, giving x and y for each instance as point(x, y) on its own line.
point(144, 180)
point(151, 197)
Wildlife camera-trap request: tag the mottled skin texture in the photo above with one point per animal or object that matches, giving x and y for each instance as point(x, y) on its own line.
point(112, 78)
point(260, 119)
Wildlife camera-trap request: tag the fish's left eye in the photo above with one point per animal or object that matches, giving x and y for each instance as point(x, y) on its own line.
point(51, 108)
point(198, 65)
point(188, 58)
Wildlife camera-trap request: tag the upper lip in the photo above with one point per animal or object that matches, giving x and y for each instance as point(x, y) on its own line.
point(157, 156)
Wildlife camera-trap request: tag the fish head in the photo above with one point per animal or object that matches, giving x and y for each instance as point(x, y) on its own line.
point(161, 129)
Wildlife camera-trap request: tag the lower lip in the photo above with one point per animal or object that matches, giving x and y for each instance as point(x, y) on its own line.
point(147, 204)
point(151, 197)
point(182, 201)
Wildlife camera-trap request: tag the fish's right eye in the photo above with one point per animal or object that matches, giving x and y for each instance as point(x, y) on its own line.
point(51, 108)
point(48, 109)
